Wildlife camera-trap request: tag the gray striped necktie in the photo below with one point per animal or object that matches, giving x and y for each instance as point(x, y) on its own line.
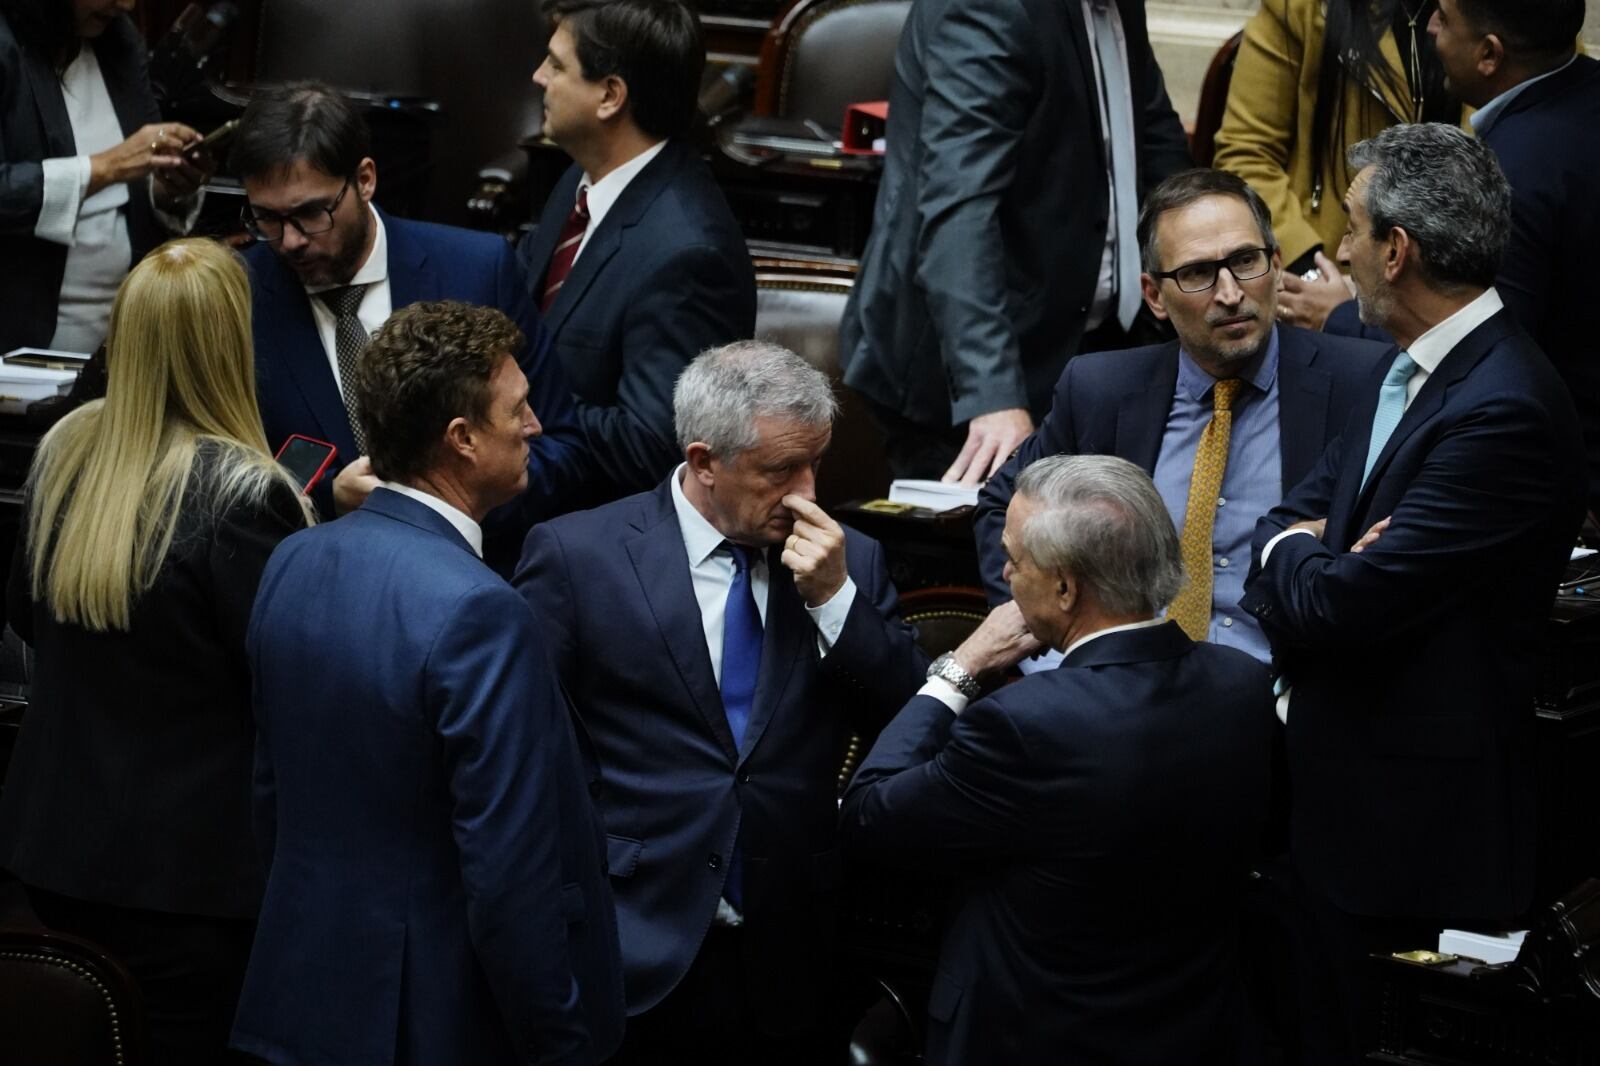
point(350, 336)
point(1122, 150)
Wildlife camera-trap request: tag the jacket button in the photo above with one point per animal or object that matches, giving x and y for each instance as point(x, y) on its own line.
point(715, 861)
point(744, 777)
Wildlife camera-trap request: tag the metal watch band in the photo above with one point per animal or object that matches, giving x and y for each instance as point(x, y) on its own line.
point(946, 668)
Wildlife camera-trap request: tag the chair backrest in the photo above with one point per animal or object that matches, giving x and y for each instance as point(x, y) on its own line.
point(823, 54)
point(475, 57)
point(65, 1001)
point(802, 312)
point(1213, 102)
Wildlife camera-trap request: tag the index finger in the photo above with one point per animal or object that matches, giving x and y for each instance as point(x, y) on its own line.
point(809, 511)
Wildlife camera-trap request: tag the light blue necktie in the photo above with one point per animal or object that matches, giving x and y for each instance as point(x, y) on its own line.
point(1391, 405)
point(1122, 150)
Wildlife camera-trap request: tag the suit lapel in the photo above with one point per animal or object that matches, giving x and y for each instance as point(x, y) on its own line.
point(1142, 413)
point(291, 345)
point(1304, 393)
point(46, 86)
point(542, 245)
point(783, 644)
point(119, 72)
point(411, 275)
point(660, 562)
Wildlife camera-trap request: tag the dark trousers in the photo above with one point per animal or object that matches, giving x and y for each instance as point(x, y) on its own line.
point(707, 1020)
point(1339, 988)
point(189, 969)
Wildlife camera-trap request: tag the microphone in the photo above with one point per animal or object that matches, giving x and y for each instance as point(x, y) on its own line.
point(727, 92)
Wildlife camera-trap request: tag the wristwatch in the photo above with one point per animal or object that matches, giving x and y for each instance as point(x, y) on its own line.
point(946, 668)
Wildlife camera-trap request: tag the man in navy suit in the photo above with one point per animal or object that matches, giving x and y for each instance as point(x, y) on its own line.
point(637, 262)
point(1538, 107)
point(1405, 584)
point(435, 890)
point(327, 270)
point(1100, 817)
point(1200, 230)
point(722, 637)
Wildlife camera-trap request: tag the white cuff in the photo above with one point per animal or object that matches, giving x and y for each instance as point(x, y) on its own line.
point(945, 693)
point(1273, 543)
point(830, 617)
point(177, 224)
point(66, 180)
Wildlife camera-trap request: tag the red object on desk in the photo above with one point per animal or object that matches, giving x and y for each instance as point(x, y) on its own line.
point(864, 124)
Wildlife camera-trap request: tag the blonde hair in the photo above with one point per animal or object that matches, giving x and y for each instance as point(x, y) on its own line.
point(107, 485)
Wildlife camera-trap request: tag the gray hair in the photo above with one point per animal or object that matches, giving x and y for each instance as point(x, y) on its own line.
point(720, 395)
point(1447, 191)
point(1101, 519)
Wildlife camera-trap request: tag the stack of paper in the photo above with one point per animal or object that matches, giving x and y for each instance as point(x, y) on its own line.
point(934, 495)
point(22, 385)
point(1486, 947)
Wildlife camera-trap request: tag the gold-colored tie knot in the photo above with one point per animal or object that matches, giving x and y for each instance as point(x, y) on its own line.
point(1223, 392)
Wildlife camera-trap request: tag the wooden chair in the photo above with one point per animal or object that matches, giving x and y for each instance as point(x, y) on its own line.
point(820, 55)
point(1213, 102)
point(66, 1002)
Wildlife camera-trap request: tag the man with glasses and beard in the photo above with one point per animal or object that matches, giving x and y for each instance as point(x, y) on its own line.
point(327, 270)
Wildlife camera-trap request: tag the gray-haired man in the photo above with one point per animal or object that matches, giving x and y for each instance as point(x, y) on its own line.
point(1076, 795)
point(721, 637)
point(1405, 584)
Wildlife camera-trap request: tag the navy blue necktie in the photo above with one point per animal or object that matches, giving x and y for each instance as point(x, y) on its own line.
point(741, 663)
point(741, 646)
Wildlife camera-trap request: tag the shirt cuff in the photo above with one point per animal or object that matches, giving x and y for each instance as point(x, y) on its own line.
point(1273, 543)
point(175, 223)
point(66, 179)
point(945, 693)
point(830, 617)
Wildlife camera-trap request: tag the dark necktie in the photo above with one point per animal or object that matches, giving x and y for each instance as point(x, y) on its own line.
point(566, 252)
point(741, 663)
point(350, 336)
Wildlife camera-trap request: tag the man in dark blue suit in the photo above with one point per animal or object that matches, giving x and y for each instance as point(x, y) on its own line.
point(637, 262)
point(722, 637)
point(1200, 230)
point(1099, 818)
point(327, 270)
point(435, 890)
point(1405, 584)
point(1538, 107)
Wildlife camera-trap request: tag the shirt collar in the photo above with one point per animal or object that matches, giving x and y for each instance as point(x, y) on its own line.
point(1429, 350)
point(1260, 373)
point(1485, 117)
point(376, 268)
point(1081, 641)
point(605, 192)
point(452, 514)
point(700, 538)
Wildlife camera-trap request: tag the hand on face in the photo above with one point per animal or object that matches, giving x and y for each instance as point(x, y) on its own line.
point(815, 552)
point(1002, 641)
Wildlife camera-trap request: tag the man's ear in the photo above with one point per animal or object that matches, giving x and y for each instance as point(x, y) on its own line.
point(1491, 58)
point(698, 456)
point(366, 182)
point(1069, 591)
point(1398, 254)
point(1152, 296)
point(461, 439)
point(615, 99)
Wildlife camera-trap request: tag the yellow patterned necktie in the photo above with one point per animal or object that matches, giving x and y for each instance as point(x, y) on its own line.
point(1192, 608)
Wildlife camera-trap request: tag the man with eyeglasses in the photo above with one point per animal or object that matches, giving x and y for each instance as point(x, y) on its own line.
point(1227, 419)
point(327, 270)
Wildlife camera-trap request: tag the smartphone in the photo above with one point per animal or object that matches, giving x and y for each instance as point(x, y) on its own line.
point(216, 136)
point(307, 459)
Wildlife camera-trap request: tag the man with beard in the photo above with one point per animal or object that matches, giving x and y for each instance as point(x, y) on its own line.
point(328, 269)
point(1226, 419)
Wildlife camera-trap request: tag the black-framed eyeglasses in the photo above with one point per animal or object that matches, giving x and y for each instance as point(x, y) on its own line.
point(1245, 264)
point(308, 221)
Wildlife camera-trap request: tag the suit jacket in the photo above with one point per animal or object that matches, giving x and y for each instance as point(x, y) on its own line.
point(1413, 663)
point(985, 252)
point(613, 589)
point(434, 891)
point(1544, 140)
point(1116, 403)
point(130, 783)
point(664, 276)
point(34, 127)
point(299, 394)
point(1098, 820)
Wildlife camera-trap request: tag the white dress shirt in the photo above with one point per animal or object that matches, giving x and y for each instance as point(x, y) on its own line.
point(375, 302)
point(957, 701)
point(603, 194)
point(452, 514)
point(711, 572)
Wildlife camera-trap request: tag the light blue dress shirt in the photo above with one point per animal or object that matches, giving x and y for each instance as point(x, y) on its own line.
point(1252, 483)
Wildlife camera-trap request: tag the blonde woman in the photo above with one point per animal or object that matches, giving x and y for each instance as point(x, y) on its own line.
point(150, 515)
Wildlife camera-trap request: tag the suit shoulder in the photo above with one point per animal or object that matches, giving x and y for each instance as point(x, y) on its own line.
point(451, 241)
point(607, 523)
point(1117, 370)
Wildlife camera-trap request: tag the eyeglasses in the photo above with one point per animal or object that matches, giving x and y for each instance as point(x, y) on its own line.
point(307, 221)
point(1245, 264)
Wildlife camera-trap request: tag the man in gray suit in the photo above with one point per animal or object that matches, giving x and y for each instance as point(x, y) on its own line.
point(1024, 134)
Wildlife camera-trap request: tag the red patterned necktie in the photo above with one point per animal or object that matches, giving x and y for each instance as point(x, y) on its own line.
point(566, 249)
